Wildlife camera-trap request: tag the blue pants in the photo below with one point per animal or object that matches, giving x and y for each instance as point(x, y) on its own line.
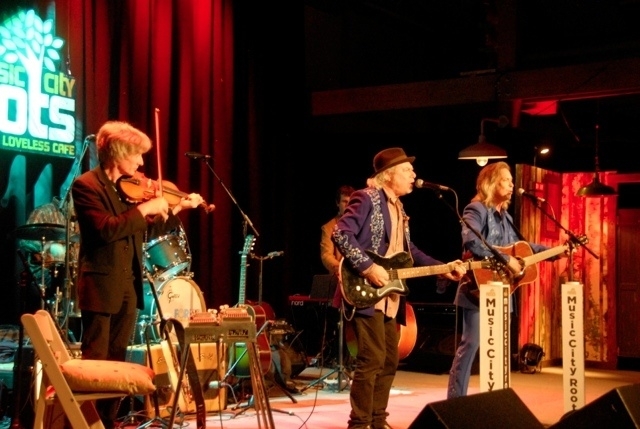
point(465, 353)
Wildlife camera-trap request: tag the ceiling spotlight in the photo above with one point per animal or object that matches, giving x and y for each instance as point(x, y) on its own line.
point(543, 150)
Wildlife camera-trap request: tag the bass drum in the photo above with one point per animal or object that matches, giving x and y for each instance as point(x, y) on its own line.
point(178, 298)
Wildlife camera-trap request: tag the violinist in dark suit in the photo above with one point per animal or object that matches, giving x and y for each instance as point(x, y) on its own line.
point(111, 244)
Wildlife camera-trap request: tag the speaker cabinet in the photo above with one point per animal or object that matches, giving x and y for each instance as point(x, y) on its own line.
point(437, 340)
point(497, 409)
point(618, 408)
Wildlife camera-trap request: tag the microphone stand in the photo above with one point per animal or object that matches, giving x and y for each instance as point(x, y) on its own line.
point(67, 207)
point(270, 255)
point(573, 239)
point(246, 219)
point(499, 259)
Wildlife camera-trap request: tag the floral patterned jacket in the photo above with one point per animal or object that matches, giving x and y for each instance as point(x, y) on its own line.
point(366, 225)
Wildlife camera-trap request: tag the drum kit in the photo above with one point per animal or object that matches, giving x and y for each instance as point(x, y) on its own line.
point(167, 264)
point(50, 254)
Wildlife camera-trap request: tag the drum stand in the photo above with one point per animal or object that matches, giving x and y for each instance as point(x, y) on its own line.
point(15, 420)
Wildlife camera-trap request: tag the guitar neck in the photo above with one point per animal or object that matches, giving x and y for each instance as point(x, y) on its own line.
point(545, 254)
point(243, 280)
point(432, 270)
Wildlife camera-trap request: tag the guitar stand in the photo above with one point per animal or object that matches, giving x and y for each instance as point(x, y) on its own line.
point(250, 401)
point(339, 370)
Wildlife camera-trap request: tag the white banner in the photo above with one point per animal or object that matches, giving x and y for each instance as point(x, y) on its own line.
point(573, 345)
point(495, 361)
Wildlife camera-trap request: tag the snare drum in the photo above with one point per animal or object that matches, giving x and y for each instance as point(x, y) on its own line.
point(165, 257)
point(178, 299)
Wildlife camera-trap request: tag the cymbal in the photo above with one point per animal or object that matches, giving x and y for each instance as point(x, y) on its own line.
point(41, 231)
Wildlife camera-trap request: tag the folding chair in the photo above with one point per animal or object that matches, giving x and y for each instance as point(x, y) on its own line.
point(74, 384)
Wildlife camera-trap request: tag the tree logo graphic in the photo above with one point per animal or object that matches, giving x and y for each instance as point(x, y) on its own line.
point(37, 104)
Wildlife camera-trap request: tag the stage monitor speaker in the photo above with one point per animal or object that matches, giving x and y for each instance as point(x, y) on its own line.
point(488, 410)
point(618, 408)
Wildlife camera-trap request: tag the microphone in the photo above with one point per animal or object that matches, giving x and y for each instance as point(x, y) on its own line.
point(275, 254)
point(419, 183)
point(90, 138)
point(196, 155)
point(530, 196)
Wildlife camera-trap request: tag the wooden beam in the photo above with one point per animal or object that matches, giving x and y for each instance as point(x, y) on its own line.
point(593, 80)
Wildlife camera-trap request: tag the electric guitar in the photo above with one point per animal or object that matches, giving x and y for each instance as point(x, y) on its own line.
point(522, 251)
point(259, 316)
point(358, 292)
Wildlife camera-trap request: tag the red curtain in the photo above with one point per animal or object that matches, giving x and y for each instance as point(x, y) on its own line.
point(131, 57)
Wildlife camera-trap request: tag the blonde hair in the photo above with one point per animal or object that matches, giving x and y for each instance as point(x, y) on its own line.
point(487, 181)
point(117, 140)
point(382, 178)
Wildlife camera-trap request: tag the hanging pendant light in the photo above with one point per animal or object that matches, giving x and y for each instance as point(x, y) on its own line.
point(596, 188)
point(482, 151)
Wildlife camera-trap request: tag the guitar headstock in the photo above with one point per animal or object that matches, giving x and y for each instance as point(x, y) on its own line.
point(249, 241)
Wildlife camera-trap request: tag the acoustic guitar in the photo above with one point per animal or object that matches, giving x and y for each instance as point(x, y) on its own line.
point(358, 292)
point(259, 315)
point(521, 250)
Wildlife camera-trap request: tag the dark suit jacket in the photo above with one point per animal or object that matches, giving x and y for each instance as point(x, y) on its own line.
point(112, 234)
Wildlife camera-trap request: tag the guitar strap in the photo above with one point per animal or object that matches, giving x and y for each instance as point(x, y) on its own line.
point(517, 231)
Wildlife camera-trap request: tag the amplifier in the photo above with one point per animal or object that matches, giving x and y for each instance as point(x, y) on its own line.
point(206, 359)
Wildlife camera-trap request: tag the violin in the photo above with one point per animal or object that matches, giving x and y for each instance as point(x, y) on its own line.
point(139, 188)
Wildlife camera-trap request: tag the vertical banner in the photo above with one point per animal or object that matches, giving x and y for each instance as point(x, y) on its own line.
point(573, 345)
point(495, 361)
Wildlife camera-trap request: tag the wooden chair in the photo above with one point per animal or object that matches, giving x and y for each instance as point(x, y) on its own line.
point(74, 384)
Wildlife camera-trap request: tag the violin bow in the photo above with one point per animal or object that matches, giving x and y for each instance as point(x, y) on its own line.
point(157, 118)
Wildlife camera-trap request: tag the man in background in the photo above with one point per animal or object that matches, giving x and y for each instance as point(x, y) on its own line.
point(329, 253)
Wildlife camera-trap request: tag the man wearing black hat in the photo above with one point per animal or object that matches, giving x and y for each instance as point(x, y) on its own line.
point(373, 230)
